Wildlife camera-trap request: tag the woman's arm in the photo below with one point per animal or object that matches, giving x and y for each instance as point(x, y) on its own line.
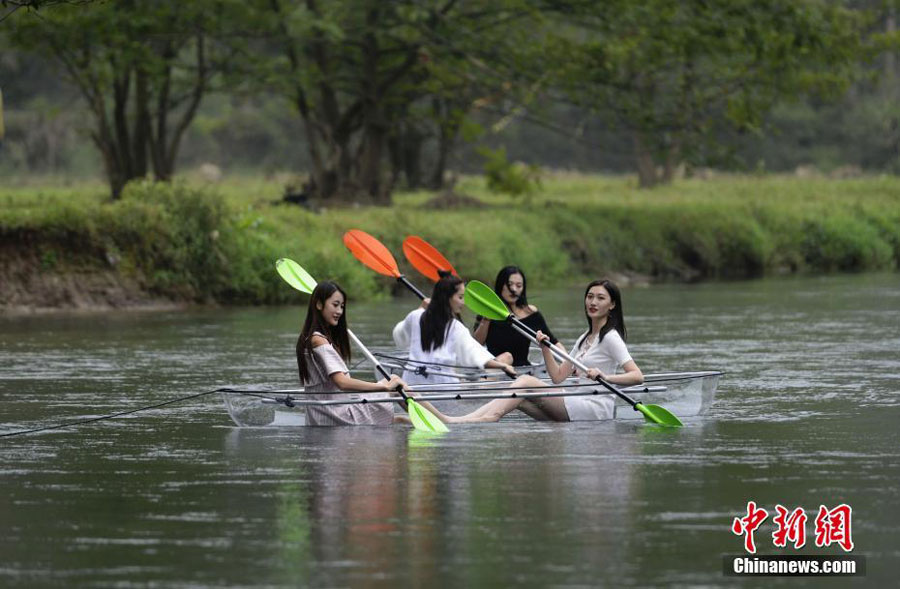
point(508, 369)
point(481, 330)
point(345, 382)
point(630, 377)
point(557, 372)
point(470, 353)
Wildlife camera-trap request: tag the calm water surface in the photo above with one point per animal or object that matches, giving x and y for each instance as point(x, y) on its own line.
point(807, 414)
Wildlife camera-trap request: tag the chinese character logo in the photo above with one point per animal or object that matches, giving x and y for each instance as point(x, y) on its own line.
point(833, 526)
point(747, 525)
point(789, 527)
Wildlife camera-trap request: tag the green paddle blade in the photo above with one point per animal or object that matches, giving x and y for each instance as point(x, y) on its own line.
point(294, 274)
point(421, 439)
point(482, 300)
point(658, 415)
point(423, 419)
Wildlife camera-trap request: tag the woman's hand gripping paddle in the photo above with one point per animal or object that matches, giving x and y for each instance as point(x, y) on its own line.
point(376, 256)
point(422, 419)
point(482, 299)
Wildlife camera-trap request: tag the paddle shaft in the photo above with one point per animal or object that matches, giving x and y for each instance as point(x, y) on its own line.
point(532, 334)
point(411, 286)
point(524, 330)
point(371, 358)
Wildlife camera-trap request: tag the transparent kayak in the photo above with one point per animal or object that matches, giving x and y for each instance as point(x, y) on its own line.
point(686, 394)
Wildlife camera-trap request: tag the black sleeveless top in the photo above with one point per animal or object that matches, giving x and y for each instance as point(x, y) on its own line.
point(502, 337)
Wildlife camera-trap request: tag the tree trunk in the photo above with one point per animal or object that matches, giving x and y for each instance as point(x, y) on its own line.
point(375, 131)
point(444, 147)
point(114, 141)
point(411, 150)
point(646, 166)
point(142, 124)
point(121, 88)
point(371, 153)
point(405, 155)
point(673, 160)
point(448, 130)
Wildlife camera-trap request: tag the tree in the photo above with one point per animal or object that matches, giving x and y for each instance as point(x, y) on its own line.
point(343, 64)
point(363, 75)
point(143, 66)
point(676, 73)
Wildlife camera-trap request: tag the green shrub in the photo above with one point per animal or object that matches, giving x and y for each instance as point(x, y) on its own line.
point(506, 177)
point(843, 243)
point(220, 244)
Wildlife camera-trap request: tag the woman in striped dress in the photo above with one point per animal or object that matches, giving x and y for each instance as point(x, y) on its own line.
point(323, 351)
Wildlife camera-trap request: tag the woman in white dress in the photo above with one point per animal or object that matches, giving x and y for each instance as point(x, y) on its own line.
point(436, 337)
point(323, 350)
point(601, 348)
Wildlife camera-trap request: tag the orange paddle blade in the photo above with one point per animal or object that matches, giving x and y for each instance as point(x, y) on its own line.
point(371, 252)
point(425, 258)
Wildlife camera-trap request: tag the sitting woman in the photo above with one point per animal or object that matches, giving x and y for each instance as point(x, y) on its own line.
point(501, 339)
point(601, 348)
point(323, 350)
point(436, 337)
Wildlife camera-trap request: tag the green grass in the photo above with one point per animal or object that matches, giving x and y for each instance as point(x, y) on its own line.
point(195, 241)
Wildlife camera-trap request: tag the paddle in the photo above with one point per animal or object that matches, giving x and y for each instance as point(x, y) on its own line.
point(373, 254)
point(376, 256)
point(422, 419)
point(426, 259)
point(482, 299)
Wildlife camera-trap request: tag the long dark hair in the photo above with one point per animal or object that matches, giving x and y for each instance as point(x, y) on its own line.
point(435, 321)
point(615, 319)
point(337, 335)
point(503, 280)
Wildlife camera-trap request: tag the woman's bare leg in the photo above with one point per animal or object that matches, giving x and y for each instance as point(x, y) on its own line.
point(553, 408)
point(429, 407)
point(533, 410)
point(503, 406)
point(505, 357)
point(545, 409)
point(489, 412)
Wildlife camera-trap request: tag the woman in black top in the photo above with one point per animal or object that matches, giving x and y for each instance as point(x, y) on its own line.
point(502, 340)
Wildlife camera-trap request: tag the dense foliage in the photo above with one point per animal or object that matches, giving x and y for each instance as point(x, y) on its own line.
point(360, 97)
point(191, 243)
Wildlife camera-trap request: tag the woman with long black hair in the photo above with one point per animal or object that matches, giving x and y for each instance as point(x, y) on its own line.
point(501, 339)
point(436, 337)
point(601, 348)
point(323, 351)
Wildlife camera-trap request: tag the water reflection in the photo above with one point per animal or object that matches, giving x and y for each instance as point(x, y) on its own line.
point(363, 505)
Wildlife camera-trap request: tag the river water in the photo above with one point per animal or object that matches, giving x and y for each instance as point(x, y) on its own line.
point(806, 415)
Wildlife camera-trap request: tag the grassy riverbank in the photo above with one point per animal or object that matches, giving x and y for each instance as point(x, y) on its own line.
point(217, 243)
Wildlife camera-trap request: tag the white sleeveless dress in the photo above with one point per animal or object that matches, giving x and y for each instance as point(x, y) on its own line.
point(609, 356)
